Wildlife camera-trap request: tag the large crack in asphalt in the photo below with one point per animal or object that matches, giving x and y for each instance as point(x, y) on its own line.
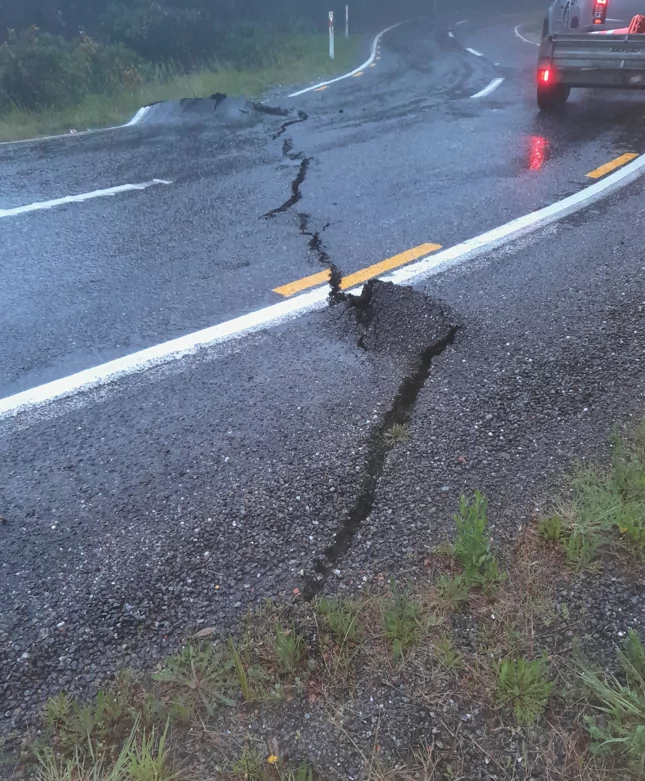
point(314, 237)
point(399, 412)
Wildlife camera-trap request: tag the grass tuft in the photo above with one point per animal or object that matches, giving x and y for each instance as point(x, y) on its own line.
point(525, 687)
point(617, 725)
point(473, 548)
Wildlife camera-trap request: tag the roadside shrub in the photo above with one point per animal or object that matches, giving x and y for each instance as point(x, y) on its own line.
point(39, 70)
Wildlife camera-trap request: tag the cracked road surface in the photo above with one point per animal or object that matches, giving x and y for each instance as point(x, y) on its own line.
point(179, 497)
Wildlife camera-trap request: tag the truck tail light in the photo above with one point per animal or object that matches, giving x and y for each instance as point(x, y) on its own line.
point(545, 75)
point(599, 11)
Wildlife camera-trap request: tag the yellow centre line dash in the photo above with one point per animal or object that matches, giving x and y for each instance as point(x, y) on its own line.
point(351, 280)
point(387, 265)
point(360, 73)
point(597, 173)
point(302, 284)
point(320, 89)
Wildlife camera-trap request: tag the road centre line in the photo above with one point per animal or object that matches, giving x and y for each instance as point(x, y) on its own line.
point(474, 51)
point(292, 308)
point(463, 21)
point(602, 170)
point(490, 88)
point(362, 67)
point(451, 34)
point(362, 275)
point(302, 284)
point(39, 205)
point(522, 38)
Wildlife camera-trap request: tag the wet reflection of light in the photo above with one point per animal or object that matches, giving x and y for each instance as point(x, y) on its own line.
point(538, 152)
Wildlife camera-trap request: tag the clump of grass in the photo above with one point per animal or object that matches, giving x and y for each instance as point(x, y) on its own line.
point(618, 724)
point(607, 508)
point(473, 548)
point(402, 618)
point(447, 654)
point(397, 434)
point(289, 649)
point(454, 591)
point(200, 677)
point(551, 529)
point(342, 619)
point(524, 686)
point(144, 756)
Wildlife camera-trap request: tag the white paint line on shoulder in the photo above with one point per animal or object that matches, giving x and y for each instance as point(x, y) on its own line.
point(39, 205)
point(518, 228)
point(522, 38)
point(474, 51)
point(165, 352)
point(362, 67)
point(316, 299)
point(138, 116)
point(136, 119)
point(490, 88)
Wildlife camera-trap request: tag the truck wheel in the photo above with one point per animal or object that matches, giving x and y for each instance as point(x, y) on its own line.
point(552, 98)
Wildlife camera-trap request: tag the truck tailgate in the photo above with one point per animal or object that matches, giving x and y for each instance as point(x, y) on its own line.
point(586, 60)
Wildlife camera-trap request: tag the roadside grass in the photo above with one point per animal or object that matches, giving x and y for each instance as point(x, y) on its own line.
point(464, 638)
point(295, 60)
point(606, 508)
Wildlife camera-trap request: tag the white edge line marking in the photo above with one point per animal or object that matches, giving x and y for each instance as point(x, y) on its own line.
point(165, 352)
point(463, 21)
point(451, 34)
point(316, 299)
point(474, 51)
point(122, 188)
point(522, 38)
point(362, 67)
point(490, 88)
point(136, 119)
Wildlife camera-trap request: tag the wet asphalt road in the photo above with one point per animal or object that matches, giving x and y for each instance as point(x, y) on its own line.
point(399, 157)
point(177, 498)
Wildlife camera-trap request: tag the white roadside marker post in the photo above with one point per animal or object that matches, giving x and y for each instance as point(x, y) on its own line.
point(346, 21)
point(331, 35)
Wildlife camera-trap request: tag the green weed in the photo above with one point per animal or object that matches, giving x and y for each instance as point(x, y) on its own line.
point(341, 617)
point(551, 529)
point(144, 756)
point(289, 649)
point(199, 676)
point(402, 619)
point(397, 434)
point(472, 547)
point(447, 654)
point(618, 726)
point(525, 686)
point(453, 591)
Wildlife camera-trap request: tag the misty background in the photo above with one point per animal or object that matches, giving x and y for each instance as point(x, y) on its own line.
point(56, 52)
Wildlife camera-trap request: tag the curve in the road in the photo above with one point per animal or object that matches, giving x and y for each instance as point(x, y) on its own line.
point(316, 299)
point(356, 71)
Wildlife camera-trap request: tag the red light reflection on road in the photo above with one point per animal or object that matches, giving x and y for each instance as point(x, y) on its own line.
point(538, 152)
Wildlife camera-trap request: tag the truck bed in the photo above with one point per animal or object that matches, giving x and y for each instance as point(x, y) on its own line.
point(587, 60)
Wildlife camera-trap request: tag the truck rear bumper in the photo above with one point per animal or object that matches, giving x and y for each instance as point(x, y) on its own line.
point(619, 79)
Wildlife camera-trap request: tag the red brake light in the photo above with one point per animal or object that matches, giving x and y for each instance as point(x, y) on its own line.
point(601, 2)
point(545, 76)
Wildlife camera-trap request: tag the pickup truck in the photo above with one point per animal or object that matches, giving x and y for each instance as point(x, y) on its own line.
point(580, 48)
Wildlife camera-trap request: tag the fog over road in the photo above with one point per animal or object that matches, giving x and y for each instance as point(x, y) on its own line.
point(176, 497)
